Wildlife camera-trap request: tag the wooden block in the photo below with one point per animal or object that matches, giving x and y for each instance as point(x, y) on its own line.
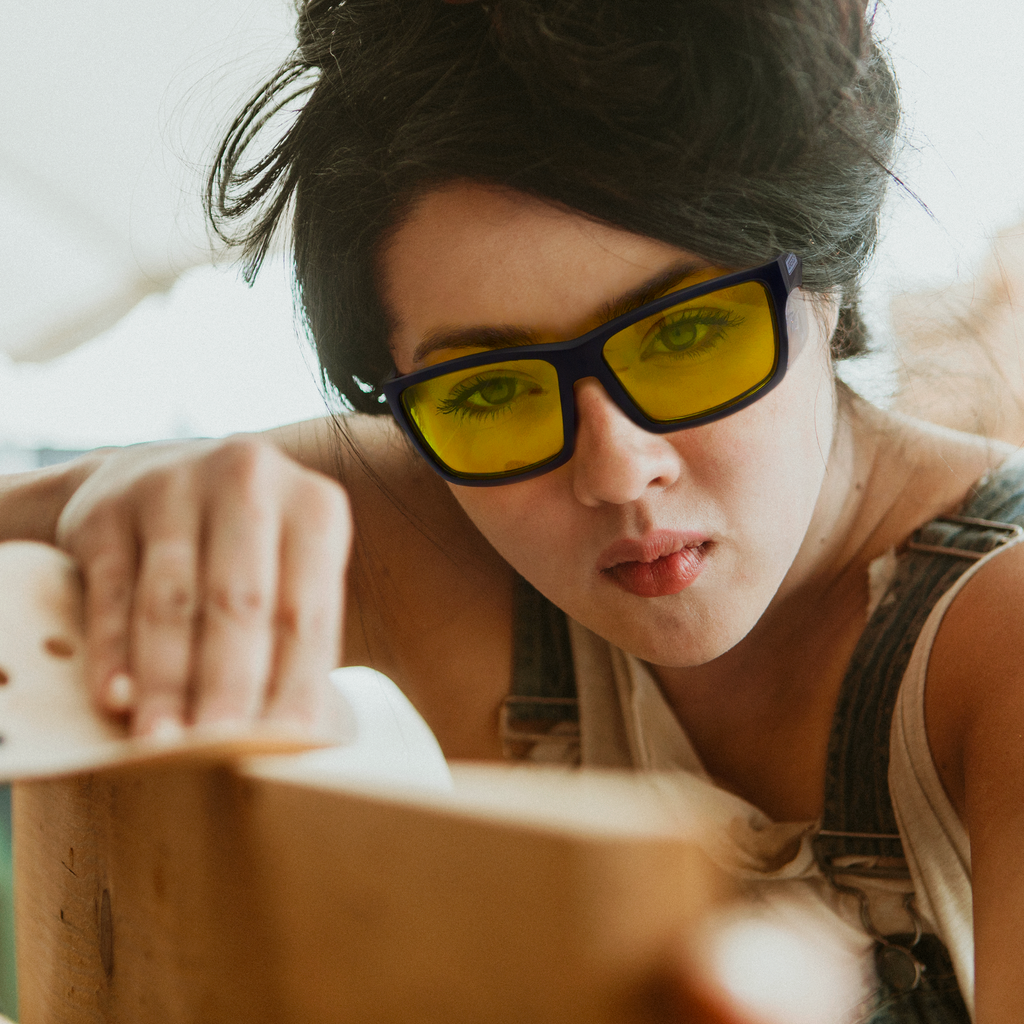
point(190, 893)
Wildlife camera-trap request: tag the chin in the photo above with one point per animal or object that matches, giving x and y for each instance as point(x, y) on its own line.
point(669, 639)
point(677, 655)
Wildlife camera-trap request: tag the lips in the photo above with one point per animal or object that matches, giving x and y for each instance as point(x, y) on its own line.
point(661, 563)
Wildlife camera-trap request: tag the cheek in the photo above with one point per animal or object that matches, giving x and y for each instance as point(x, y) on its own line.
point(516, 519)
point(776, 451)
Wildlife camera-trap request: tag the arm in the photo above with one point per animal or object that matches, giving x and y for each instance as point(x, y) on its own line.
point(214, 577)
point(31, 503)
point(975, 719)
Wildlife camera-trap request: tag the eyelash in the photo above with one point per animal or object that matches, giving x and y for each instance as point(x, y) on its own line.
point(453, 404)
point(704, 317)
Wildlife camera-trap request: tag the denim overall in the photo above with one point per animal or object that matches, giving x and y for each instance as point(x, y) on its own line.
point(916, 979)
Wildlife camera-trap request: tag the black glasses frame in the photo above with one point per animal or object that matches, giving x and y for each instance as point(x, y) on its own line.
point(582, 357)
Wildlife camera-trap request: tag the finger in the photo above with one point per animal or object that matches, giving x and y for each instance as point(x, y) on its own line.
point(164, 612)
point(108, 570)
point(314, 553)
point(236, 633)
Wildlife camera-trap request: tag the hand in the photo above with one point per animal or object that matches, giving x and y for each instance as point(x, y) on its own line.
point(214, 585)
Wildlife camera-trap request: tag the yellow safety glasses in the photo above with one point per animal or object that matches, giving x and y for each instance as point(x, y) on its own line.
point(687, 358)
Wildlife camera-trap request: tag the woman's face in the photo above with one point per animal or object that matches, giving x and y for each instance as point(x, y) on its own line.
point(671, 546)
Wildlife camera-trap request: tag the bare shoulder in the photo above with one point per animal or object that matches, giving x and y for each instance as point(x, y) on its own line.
point(915, 472)
point(974, 703)
point(933, 468)
point(974, 708)
point(429, 600)
point(975, 666)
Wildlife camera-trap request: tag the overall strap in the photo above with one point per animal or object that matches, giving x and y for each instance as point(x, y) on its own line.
point(858, 820)
point(539, 719)
point(859, 837)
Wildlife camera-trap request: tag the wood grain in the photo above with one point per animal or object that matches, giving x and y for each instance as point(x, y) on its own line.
point(195, 894)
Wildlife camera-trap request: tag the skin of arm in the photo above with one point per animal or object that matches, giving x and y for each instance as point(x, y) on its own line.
point(31, 502)
point(974, 709)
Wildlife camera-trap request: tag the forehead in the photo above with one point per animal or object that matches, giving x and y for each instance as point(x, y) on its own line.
point(470, 255)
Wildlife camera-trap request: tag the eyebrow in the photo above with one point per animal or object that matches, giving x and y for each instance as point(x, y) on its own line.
point(650, 290)
point(510, 336)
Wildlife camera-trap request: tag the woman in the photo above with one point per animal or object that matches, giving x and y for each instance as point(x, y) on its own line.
point(691, 486)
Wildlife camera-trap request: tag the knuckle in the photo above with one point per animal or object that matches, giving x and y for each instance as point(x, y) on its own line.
point(171, 562)
point(293, 620)
point(109, 588)
point(167, 606)
point(112, 562)
point(167, 600)
point(95, 529)
point(288, 620)
point(162, 485)
point(246, 461)
point(237, 601)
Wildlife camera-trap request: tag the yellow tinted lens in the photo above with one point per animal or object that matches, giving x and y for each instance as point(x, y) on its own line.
point(501, 418)
point(699, 356)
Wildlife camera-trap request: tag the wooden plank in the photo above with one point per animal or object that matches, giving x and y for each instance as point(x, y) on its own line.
point(134, 900)
point(196, 894)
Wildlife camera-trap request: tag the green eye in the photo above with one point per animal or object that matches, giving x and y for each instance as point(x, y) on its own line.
point(488, 394)
point(497, 391)
point(687, 332)
point(678, 336)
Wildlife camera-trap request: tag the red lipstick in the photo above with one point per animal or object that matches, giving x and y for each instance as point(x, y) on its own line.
point(661, 563)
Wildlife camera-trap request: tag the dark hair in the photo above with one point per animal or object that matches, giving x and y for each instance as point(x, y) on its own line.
point(736, 129)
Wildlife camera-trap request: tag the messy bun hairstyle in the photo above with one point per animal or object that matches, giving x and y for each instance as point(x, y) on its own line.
point(735, 129)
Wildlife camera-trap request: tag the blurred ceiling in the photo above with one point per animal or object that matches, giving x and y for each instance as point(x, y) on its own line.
point(110, 109)
point(109, 113)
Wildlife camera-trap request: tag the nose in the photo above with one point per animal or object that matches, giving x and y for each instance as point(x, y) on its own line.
point(614, 460)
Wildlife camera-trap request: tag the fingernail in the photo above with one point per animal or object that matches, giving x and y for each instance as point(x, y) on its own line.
point(166, 730)
point(120, 692)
